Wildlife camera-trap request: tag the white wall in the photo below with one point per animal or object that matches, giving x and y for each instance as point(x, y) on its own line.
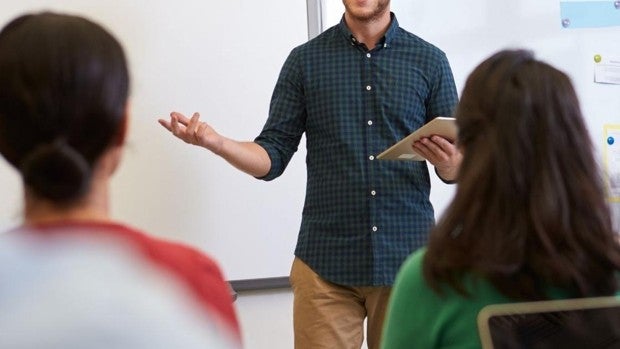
point(266, 319)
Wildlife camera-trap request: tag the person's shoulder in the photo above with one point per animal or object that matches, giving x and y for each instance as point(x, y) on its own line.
point(319, 42)
point(411, 270)
point(193, 268)
point(416, 259)
point(173, 250)
point(415, 42)
point(144, 309)
point(186, 261)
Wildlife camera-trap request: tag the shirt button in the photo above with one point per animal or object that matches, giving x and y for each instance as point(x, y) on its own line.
point(374, 228)
point(373, 193)
point(369, 122)
point(368, 55)
point(368, 88)
point(371, 157)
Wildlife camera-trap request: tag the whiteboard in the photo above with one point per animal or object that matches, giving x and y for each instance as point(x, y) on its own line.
point(222, 59)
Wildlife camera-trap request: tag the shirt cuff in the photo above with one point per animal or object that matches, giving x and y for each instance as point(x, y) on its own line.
point(444, 180)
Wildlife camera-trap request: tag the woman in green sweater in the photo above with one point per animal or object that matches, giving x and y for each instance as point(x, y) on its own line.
point(529, 220)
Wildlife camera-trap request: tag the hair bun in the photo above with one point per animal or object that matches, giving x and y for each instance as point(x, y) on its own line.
point(56, 171)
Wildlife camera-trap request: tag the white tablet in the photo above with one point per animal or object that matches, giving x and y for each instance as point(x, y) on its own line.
point(440, 126)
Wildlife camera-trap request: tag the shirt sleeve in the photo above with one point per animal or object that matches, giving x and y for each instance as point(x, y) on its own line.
point(443, 97)
point(201, 274)
point(444, 180)
point(286, 124)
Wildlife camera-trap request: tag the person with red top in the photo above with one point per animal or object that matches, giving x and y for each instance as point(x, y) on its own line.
point(64, 86)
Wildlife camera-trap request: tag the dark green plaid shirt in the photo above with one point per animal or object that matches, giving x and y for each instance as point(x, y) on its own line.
point(362, 217)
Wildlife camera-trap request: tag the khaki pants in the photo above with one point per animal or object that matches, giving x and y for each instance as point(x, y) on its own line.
point(330, 316)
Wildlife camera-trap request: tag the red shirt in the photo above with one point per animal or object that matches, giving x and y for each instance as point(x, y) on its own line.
point(190, 267)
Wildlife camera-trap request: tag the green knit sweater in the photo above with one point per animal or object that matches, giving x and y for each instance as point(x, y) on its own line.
point(420, 318)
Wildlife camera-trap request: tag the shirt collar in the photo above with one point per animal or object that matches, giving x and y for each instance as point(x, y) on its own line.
point(387, 40)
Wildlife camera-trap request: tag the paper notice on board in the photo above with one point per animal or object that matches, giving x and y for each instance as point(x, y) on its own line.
point(607, 69)
point(612, 161)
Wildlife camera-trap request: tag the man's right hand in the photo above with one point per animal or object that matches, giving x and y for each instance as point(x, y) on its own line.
point(248, 157)
point(193, 131)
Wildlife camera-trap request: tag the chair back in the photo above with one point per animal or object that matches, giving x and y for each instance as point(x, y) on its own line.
point(570, 323)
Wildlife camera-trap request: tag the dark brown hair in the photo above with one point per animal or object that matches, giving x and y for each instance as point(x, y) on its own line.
point(63, 91)
point(529, 210)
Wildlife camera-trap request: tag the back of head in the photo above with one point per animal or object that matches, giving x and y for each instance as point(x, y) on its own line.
point(63, 92)
point(529, 208)
point(521, 118)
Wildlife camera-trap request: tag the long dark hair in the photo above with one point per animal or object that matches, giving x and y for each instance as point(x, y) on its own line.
point(529, 211)
point(64, 86)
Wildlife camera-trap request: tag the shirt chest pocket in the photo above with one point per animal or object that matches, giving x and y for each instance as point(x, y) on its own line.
point(403, 97)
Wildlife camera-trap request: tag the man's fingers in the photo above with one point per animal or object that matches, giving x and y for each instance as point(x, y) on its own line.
point(431, 145)
point(182, 119)
point(193, 124)
point(447, 147)
point(174, 125)
point(187, 129)
point(201, 131)
point(165, 124)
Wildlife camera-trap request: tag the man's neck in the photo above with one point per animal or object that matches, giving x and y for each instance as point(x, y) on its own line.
point(369, 32)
